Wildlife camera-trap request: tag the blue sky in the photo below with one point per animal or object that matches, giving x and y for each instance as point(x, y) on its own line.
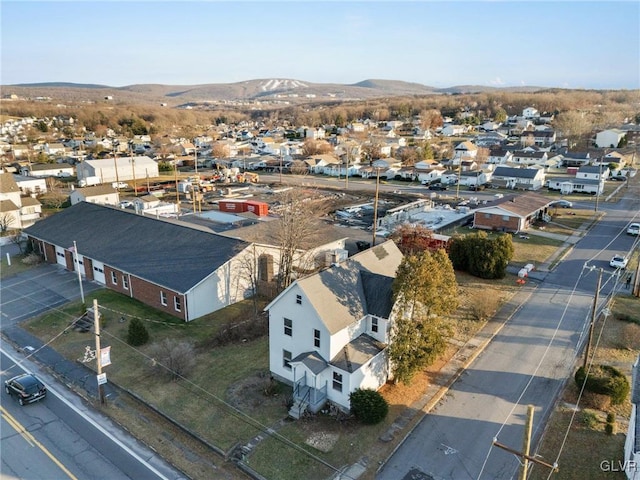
point(566, 44)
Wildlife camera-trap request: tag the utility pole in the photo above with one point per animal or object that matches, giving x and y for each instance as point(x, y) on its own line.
point(133, 171)
point(526, 446)
point(195, 158)
point(346, 177)
point(594, 309)
point(96, 324)
point(115, 165)
point(375, 207)
point(636, 282)
point(175, 171)
point(458, 182)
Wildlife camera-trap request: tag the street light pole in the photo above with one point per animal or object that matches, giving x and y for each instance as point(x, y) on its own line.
point(77, 262)
point(599, 181)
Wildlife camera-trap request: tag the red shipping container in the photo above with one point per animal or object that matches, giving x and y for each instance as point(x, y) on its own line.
point(259, 208)
point(232, 206)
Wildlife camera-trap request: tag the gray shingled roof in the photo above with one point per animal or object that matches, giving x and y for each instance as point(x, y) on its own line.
point(169, 254)
point(377, 293)
point(515, 172)
point(312, 360)
point(346, 292)
point(356, 353)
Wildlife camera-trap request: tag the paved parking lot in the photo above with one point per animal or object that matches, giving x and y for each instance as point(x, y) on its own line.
point(37, 290)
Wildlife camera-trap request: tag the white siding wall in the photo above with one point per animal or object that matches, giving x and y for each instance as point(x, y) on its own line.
point(227, 285)
point(304, 320)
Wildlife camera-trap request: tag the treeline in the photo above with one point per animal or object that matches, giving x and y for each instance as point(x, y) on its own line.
point(605, 109)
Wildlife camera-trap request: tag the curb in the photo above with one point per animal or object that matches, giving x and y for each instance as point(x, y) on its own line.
point(492, 329)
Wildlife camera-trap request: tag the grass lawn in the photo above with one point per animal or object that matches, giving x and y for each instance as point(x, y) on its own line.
point(201, 401)
point(17, 265)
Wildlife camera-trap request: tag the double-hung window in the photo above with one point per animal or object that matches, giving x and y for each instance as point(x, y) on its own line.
point(288, 327)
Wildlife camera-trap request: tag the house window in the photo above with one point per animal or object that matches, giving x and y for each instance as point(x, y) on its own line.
point(125, 282)
point(299, 299)
point(98, 269)
point(288, 326)
point(163, 298)
point(374, 324)
point(114, 278)
point(487, 215)
point(505, 218)
point(286, 359)
point(177, 304)
point(337, 381)
point(316, 338)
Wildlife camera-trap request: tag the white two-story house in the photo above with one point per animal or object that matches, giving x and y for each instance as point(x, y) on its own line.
point(328, 331)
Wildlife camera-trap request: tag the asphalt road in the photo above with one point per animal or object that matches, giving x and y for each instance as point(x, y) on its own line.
point(526, 363)
point(60, 437)
point(53, 439)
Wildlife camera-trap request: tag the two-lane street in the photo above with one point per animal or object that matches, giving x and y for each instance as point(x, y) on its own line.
point(56, 438)
point(527, 362)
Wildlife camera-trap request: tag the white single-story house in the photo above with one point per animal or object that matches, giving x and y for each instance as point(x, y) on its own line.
point(609, 138)
point(48, 170)
point(101, 194)
point(518, 178)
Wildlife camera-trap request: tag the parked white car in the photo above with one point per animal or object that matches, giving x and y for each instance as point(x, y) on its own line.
point(634, 229)
point(618, 261)
point(119, 185)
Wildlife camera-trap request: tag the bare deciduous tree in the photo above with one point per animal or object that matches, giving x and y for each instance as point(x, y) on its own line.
point(173, 358)
point(295, 227)
point(220, 150)
point(430, 119)
point(298, 167)
point(19, 241)
point(6, 219)
point(576, 126)
point(316, 147)
point(55, 196)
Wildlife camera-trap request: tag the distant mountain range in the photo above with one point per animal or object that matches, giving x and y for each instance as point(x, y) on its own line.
point(263, 90)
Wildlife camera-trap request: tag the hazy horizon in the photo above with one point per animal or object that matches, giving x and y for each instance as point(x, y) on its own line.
point(564, 44)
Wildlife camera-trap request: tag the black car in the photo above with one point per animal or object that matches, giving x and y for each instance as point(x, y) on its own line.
point(26, 387)
point(437, 186)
